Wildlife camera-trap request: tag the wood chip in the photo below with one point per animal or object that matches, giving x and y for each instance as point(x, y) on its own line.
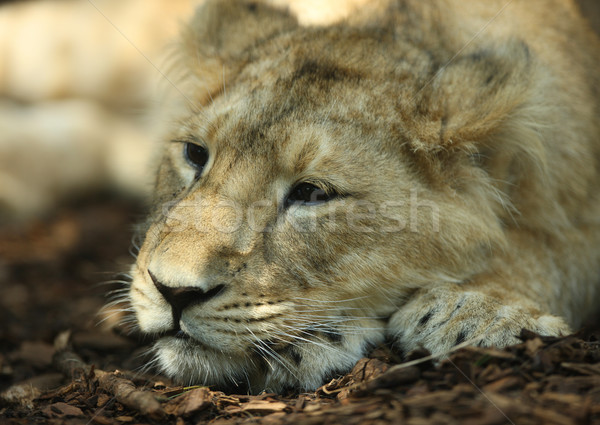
point(583, 368)
point(190, 402)
point(61, 409)
point(504, 384)
point(263, 406)
point(395, 376)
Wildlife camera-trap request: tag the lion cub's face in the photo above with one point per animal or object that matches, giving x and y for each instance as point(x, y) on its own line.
point(268, 260)
point(290, 220)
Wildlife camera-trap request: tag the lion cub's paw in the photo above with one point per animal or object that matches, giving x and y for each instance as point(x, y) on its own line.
point(441, 318)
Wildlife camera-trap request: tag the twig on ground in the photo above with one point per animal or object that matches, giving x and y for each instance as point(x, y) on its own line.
point(123, 390)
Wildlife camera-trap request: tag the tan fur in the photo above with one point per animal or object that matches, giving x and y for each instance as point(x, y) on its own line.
point(462, 139)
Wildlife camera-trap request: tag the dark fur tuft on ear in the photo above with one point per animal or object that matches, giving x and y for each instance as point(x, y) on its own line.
point(216, 43)
point(468, 99)
point(228, 28)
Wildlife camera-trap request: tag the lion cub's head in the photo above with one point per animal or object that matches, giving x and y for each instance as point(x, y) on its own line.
point(318, 177)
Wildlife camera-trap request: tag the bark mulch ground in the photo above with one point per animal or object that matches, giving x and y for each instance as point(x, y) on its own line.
point(58, 366)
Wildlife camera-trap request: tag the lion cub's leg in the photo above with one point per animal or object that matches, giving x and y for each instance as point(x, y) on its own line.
point(521, 290)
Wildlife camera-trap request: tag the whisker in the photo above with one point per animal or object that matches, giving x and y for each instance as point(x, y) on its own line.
point(258, 343)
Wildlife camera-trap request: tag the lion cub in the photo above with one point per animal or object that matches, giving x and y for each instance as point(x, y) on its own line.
point(424, 171)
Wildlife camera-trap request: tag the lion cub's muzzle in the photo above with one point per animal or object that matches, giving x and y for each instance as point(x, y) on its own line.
point(181, 297)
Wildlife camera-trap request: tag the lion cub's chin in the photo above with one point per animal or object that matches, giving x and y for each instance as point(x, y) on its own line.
point(189, 362)
point(299, 367)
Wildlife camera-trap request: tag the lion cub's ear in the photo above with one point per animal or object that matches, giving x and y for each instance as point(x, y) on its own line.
point(471, 98)
point(219, 40)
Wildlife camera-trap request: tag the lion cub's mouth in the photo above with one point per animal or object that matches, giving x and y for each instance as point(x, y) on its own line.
point(181, 336)
point(178, 334)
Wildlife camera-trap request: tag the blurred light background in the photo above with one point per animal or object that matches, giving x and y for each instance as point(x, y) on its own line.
point(78, 82)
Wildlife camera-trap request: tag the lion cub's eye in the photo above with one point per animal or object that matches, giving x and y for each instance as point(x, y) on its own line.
point(308, 194)
point(196, 156)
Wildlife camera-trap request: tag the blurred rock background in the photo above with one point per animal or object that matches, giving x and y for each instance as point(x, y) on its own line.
point(80, 82)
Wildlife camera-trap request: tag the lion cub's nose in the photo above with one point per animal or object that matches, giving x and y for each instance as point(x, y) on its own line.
point(182, 297)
